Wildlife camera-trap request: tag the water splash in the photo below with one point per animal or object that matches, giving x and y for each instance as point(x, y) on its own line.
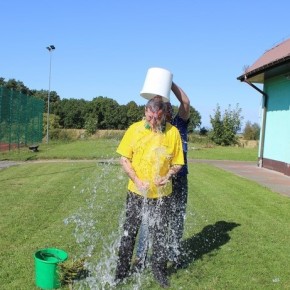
point(94, 232)
point(98, 228)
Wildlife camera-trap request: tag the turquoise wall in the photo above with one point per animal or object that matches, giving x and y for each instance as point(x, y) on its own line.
point(277, 130)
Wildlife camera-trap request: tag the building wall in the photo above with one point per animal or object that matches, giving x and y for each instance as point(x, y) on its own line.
point(277, 129)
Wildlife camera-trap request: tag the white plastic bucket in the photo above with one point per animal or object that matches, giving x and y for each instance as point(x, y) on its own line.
point(158, 81)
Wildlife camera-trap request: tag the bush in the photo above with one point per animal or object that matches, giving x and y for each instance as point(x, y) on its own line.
point(62, 134)
point(90, 126)
point(198, 139)
point(226, 126)
point(203, 131)
point(251, 131)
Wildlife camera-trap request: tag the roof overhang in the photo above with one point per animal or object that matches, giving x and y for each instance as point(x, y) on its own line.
point(260, 74)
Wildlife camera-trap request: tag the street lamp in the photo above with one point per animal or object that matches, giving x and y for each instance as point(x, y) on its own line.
point(50, 49)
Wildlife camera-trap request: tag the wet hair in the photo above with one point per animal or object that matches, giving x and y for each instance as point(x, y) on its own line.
point(155, 105)
point(169, 111)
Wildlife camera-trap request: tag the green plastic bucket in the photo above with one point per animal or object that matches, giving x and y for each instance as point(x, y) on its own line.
point(46, 270)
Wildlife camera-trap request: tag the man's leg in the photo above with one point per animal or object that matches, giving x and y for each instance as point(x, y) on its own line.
point(159, 246)
point(143, 241)
point(178, 204)
point(131, 226)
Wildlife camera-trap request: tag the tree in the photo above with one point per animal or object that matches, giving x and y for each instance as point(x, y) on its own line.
point(54, 99)
point(16, 86)
point(225, 127)
point(90, 125)
point(134, 112)
point(194, 119)
point(102, 112)
point(2, 82)
point(107, 113)
point(53, 123)
point(251, 131)
point(123, 118)
point(72, 113)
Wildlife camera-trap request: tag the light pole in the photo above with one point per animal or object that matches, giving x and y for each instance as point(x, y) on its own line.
point(50, 49)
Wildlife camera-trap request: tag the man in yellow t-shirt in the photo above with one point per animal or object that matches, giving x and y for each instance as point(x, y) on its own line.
point(151, 153)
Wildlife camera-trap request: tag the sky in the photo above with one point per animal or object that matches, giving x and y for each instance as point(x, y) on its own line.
point(105, 47)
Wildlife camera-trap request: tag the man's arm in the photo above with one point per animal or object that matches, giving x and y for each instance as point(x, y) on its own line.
point(172, 171)
point(184, 108)
point(127, 166)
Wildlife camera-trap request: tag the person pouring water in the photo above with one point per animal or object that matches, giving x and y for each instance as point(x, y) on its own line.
point(151, 153)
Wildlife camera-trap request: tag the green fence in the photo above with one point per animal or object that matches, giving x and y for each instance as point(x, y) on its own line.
point(21, 119)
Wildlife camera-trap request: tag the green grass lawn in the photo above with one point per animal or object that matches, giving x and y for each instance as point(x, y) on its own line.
point(222, 153)
point(80, 149)
point(236, 232)
point(106, 148)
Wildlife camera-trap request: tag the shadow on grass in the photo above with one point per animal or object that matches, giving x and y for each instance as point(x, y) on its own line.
point(211, 238)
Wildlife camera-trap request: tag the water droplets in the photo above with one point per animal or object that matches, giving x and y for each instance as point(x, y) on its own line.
point(94, 229)
point(276, 280)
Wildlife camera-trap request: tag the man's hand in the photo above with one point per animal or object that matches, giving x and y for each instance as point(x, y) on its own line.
point(162, 180)
point(142, 186)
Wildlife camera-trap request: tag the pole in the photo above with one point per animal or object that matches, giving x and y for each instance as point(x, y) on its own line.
point(50, 49)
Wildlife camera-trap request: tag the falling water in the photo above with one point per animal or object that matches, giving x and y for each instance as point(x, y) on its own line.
point(97, 246)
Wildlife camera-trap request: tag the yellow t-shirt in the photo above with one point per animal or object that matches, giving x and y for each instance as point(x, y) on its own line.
point(151, 154)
